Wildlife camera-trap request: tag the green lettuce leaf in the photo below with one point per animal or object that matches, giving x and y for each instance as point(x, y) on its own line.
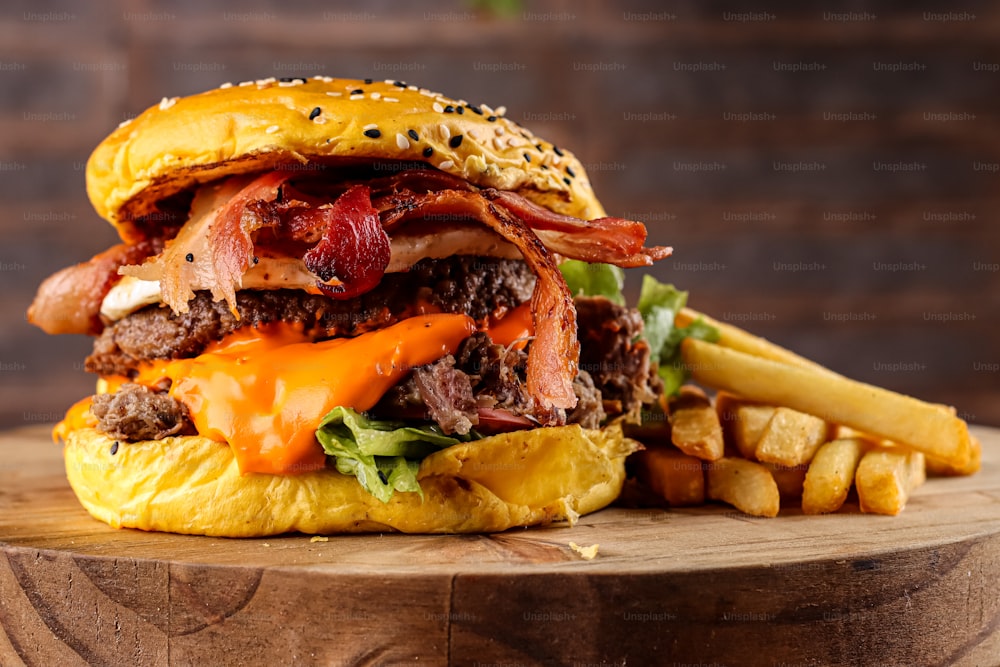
point(594, 279)
point(383, 455)
point(659, 304)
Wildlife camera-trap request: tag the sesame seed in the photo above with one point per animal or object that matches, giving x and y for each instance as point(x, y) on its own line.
point(358, 91)
point(413, 135)
point(474, 109)
point(402, 141)
point(382, 477)
point(370, 126)
point(437, 107)
point(492, 119)
point(428, 152)
point(445, 132)
point(368, 81)
point(373, 134)
point(427, 93)
point(555, 149)
point(499, 143)
point(500, 130)
point(460, 110)
point(272, 129)
point(449, 109)
point(447, 164)
point(411, 87)
point(376, 95)
point(189, 257)
point(227, 84)
point(566, 181)
point(244, 84)
point(315, 112)
point(320, 121)
point(390, 99)
point(501, 111)
point(538, 147)
point(125, 122)
point(455, 141)
point(167, 102)
point(571, 173)
point(527, 158)
point(333, 93)
point(114, 448)
point(356, 97)
point(545, 166)
point(399, 84)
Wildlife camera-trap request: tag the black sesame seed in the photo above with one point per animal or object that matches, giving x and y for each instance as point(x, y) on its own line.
point(556, 150)
point(474, 109)
point(399, 84)
point(571, 172)
point(189, 257)
point(459, 110)
point(290, 79)
point(373, 134)
point(256, 259)
point(114, 448)
point(545, 166)
point(527, 158)
point(449, 109)
point(368, 80)
point(358, 91)
point(492, 119)
point(413, 135)
point(455, 141)
point(428, 151)
point(539, 147)
point(382, 477)
point(315, 112)
point(566, 181)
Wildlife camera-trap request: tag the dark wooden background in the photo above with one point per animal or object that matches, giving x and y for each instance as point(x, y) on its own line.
point(828, 177)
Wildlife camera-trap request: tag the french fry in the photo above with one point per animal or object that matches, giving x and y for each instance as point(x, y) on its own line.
point(831, 474)
point(742, 422)
point(931, 429)
point(885, 478)
point(672, 475)
point(940, 468)
point(791, 438)
point(747, 486)
point(694, 424)
point(790, 479)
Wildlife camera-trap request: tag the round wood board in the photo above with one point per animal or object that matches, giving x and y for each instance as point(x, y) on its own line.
point(701, 586)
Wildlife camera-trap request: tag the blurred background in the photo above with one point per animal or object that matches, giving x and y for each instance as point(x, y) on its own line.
point(827, 172)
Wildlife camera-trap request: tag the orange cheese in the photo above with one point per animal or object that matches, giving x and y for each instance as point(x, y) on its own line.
point(515, 326)
point(77, 417)
point(265, 391)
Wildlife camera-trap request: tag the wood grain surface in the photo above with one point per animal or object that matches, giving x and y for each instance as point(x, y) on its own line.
point(705, 586)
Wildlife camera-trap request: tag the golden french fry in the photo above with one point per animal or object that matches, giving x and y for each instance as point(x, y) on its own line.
point(791, 438)
point(931, 429)
point(671, 474)
point(694, 424)
point(940, 468)
point(744, 341)
point(747, 486)
point(742, 421)
point(885, 478)
point(831, 474)
point(790, 479)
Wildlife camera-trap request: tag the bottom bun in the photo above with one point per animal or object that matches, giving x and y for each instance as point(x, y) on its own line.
point(192, 485)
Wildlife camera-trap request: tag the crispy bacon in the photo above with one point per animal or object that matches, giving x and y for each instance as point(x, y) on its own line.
point(555, 352)
point(608, 240)
point(215, 247)
point(354, 248)
point(69, 301)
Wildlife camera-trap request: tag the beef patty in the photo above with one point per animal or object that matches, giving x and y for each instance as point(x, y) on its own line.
point(478, 286)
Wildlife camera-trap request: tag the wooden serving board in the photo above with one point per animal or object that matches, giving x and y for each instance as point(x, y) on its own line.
point(705, 586)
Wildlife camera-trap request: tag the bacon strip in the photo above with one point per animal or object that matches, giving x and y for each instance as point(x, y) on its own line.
point(69, 301)
point(608, 240)
point(554, 355)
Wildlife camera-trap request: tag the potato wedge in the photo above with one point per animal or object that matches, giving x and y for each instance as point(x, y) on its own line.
point(790, 479)
point(671, 474)
point(742, 422)
point(791, 438)
point(747, 486)
point(694, 424)
point(931, 429)
point(831, 474)
point(885, 478)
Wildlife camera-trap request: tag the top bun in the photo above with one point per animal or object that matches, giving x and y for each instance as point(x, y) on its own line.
point(260, 125)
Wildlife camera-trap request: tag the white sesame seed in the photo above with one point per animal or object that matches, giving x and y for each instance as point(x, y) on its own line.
point(389, 99)
point(411, 87)
point(499, 143)
point(227, 84)
point(500, 111)
point(376, 95)
point(289, 84)
point(389, 81)
point(357, 97)
point(125, 122)
point(445, 132)
point(402, 142)
point(437, 107)
point(447, 164)
point(319, 120)
point(333, 94)
point(370, 126)
point(265, 82)
point(486, 109)
point(272, 129)
point(427, 93)
point(244, 84)
point(167, 102)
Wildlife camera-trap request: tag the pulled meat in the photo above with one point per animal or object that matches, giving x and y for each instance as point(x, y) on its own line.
point(136, 413)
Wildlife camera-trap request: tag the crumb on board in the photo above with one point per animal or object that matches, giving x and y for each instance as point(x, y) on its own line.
point(586, 553)
point(319, 538)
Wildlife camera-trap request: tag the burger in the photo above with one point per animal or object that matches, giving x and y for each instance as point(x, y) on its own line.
point(342, 306)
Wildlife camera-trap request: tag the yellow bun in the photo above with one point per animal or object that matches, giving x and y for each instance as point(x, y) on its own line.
point(192, 485)
point(253, 126)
